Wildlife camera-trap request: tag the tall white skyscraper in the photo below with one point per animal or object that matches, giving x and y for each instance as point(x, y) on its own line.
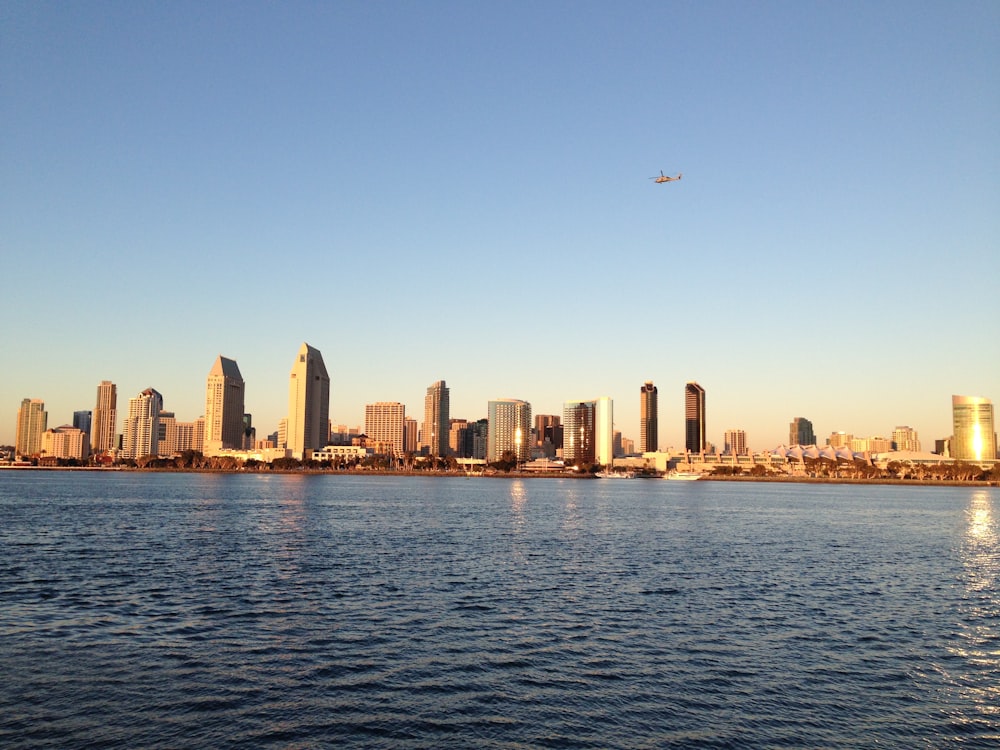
point(509, 429)
point(604, 430)
point(104, 422)
point(223, 407)
point(437, 419)
point(140, 437)
point(32, 421)
point(385, 423)
point(308, 426)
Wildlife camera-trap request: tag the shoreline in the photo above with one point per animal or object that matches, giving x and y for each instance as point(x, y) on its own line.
point(516, 475)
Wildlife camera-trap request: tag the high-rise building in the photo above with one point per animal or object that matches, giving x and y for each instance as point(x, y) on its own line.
point(409, 435)
point(694, 418)
point(974, 437)
point(588, 432)
point(81, 421)
point(140, 436)
point(478, 438)
point(105, 419)
point(840, 439)
point(648, 418)
point(32, 420)
point(579, 440)
point(385, 422)
point(65, 442)
point(509, 429)
point(604, 431)
point(800, 432)
point(224, 427)
point(435, 430)
point(459, 443)
point(166, 434)
point(736, 443)
point(308, 423)
point(188, 437)
point(905, 439)
point(543, 426)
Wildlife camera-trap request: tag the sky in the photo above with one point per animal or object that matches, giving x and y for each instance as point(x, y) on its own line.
point(460, 191)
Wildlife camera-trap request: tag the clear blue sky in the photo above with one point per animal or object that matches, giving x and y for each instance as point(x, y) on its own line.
point(459, 191)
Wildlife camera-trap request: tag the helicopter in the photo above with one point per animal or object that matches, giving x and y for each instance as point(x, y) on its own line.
point(664, 178)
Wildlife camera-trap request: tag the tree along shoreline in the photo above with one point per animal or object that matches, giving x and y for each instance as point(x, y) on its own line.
point(313, 471)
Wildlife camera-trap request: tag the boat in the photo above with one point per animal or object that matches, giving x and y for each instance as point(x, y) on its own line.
point(683, 476)
point(615, 475)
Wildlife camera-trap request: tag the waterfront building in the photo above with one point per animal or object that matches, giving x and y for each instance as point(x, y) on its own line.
point(105, 418)
point(308, 421)
point(478, 438)
point(627, 446)
point(544, 425)
point(410, 435)
point(604, 430)
point(800, 432)
point(588, 432)
point(249, 432)
point(695, 440)
point(385, 422)
point(188, 437)
point(905, 439)
point(437, 414)
point(224, 396)
point(509, 429)
point(648, 418)
point(840, 439)
point(579, 419)
point(974, 437)
point(32, 420)
point(140, 435)
point(81, 421)
point(874, 444)
point(735, 443)
point(65, 442)
point(166, 434)
point(458, 438)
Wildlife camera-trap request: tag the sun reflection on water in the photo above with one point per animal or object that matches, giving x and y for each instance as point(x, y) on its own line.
point(979, 644)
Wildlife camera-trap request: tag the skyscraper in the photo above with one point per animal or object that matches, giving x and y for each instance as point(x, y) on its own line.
point(223, 407)
point(735, 442)
point(435, 430)
point(509, 429)
point(140, 436)
point(32, 421)
point(588, 432)
point(579, 420)
point(105, 419)
point(385, 422)
point(604, 431)
point(82, 420)
point(905, 439)
point(800, 432)
point(694, 418)
point(974, 437)
point(308, 424)
point(648, 418)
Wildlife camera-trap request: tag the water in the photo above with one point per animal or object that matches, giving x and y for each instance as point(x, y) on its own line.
point(161, 610)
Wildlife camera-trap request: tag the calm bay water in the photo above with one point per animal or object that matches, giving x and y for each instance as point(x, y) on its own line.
point(162, 610)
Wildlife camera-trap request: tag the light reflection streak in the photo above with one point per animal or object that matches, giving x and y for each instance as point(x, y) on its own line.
point(979, 647)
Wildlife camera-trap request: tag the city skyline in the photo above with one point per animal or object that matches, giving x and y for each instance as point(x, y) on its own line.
point(692, 413)
point(830, 253)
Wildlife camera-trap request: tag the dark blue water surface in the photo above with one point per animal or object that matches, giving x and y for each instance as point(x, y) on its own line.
point(187, 610)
